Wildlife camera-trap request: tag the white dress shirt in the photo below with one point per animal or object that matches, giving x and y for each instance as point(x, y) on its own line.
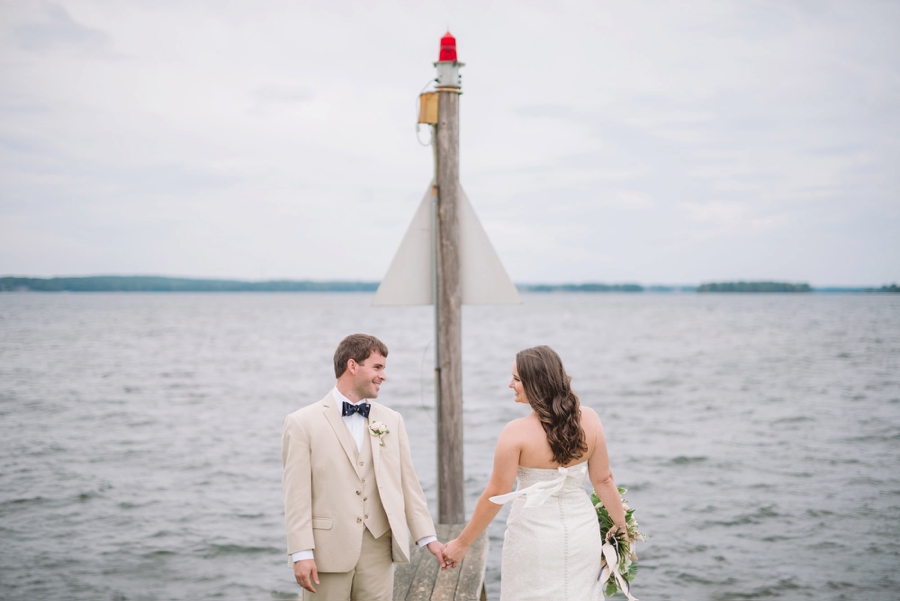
point(356, 423)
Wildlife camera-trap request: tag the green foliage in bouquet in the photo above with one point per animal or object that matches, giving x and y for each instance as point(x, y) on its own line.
point(628, 566)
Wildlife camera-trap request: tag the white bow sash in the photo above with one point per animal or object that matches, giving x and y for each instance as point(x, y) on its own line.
point(539, 492)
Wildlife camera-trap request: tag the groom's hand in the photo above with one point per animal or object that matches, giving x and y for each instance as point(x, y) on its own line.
point(437, 548)
point(454, 551)
point(305, 572)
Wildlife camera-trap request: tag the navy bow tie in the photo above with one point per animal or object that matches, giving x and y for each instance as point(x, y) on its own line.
point(350, 409)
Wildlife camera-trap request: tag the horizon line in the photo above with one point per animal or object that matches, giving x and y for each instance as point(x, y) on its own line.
point(518, 283)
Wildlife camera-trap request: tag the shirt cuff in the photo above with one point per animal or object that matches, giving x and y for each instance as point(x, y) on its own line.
point(301, 555)
point(423, 542)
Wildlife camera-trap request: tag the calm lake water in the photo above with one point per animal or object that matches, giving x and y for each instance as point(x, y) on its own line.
point(759, 435)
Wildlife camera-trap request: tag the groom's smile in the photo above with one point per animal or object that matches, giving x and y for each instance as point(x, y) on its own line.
point(369, 375)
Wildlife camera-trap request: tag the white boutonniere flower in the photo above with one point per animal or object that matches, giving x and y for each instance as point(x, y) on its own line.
point(380, 430)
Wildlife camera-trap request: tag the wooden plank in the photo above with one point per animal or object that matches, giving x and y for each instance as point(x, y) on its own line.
point(471, 571)
point(423, 582)
point(422, 579)
point(446, 532)
point(446, 583)
point(405, 572)
point(422, 585)
point(451, 498)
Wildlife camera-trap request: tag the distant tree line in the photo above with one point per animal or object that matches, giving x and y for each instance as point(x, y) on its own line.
point(753, 287)
point(163, 284)
point(580, 287)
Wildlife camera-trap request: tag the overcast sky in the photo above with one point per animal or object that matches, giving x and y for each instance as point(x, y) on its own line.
point(650, 142)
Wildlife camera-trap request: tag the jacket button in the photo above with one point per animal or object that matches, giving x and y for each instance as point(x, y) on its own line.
point(363, 480)
point(359, 492)
point(362, 463)
point(367, 517)
point(365, 498)
point(359, 520)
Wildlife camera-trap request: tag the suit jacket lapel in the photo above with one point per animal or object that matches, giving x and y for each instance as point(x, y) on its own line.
point(340, 429)
point(375, 415)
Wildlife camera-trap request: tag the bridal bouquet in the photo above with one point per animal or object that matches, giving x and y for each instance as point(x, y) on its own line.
point(619, 563)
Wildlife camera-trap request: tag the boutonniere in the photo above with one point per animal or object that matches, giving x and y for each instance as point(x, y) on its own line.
point(380, 430)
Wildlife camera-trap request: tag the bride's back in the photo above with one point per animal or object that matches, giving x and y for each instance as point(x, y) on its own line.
point(534, 448)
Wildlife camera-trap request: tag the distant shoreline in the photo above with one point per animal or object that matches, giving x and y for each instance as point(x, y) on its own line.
point(167, 284)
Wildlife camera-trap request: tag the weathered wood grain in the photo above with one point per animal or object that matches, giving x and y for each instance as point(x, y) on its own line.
point(446, 581)
point(422, 585)
point(451, 499)
point(422, 579)
point(404, 573)
point(471, 571)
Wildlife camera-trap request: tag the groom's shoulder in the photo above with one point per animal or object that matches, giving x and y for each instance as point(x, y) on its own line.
point(308, 411)
point(387, 411)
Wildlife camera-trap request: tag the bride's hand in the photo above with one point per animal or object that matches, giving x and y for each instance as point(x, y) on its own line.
point(616, 530)
point(454, 551)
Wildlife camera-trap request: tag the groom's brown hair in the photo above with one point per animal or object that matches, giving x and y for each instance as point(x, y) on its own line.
point(357, 347)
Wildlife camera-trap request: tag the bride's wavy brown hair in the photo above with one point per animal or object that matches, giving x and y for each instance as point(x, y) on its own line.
point(547, 388)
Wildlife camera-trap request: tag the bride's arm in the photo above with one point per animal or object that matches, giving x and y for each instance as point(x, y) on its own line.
point(506, 463)
point(601, 476)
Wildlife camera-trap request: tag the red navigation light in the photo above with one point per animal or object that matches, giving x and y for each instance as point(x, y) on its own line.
point(448, 48)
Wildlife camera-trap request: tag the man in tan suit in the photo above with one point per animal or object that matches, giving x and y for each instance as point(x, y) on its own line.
point(350, 490)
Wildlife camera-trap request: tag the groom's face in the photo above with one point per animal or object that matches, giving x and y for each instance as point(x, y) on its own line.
point(368, 375)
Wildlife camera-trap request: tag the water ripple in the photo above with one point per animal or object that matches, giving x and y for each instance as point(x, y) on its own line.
point(140, 434)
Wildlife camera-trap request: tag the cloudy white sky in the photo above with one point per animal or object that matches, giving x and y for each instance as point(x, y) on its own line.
point(651, 142)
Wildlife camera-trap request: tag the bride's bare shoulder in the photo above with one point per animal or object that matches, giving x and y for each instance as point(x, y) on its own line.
point(590, 421)
point(522, 426)
point(589, 414)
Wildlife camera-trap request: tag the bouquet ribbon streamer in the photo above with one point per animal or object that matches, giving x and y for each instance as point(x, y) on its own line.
point(611, 570)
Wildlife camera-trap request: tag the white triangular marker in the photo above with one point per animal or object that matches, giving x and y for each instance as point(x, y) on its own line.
point(409, 279)
point(483, 278)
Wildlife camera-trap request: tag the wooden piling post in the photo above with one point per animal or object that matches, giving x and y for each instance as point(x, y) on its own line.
point(448, 376)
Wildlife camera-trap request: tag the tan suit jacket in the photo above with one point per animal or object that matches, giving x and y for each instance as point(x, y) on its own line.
point(322, 506)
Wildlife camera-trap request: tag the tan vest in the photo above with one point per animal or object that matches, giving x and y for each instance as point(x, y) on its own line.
point(374, 516)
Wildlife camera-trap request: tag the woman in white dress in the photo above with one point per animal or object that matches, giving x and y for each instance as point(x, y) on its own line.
point(552, 546)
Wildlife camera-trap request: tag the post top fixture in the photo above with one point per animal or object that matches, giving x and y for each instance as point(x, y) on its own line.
point(448, 48)
point(448, 65)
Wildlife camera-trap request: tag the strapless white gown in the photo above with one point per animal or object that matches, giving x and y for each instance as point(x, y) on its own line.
point(552, 546)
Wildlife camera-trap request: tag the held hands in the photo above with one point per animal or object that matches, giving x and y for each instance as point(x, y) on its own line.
point(305, 572)
point(437, 548)
point(454, 551)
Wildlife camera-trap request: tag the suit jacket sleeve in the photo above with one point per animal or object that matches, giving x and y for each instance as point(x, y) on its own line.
point(297, 486)
point(417, 517)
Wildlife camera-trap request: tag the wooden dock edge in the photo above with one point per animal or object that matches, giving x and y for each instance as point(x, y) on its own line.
point(422, 579)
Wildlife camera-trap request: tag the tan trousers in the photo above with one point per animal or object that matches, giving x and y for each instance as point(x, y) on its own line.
point(371, 580)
